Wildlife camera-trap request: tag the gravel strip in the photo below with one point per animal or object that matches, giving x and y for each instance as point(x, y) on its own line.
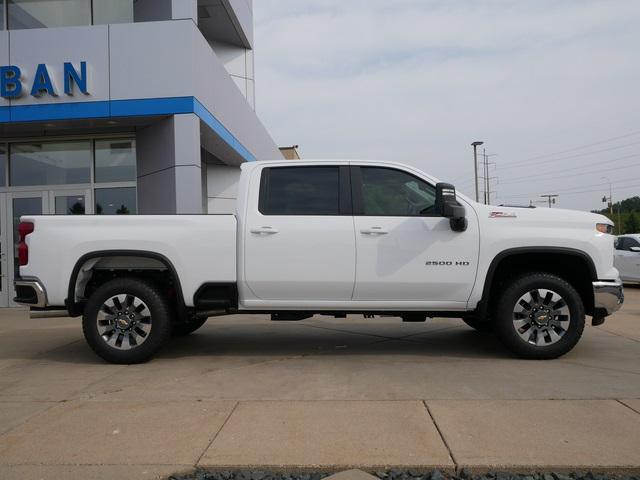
point(397, 474)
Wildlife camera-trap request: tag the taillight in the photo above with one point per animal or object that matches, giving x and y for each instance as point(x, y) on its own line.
point(24, 229)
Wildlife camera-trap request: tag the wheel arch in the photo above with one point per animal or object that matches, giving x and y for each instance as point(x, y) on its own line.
point(76, 308)
point(575, 266)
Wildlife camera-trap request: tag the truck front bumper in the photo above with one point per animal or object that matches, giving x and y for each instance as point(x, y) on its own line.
point(608, 297)
point(30, 292)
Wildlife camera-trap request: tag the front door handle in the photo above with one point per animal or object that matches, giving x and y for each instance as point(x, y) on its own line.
point(374, 231)
point(264, 230)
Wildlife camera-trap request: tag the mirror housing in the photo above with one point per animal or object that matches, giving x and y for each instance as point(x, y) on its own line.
point(635, 249)
point(447, 206)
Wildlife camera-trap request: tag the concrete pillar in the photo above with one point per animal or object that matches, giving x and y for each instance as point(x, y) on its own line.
point(169, 166)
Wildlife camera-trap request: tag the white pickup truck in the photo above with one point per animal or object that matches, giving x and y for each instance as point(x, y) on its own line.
point(332, 238)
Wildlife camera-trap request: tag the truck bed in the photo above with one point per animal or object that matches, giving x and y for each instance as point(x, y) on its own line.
point(201, 248)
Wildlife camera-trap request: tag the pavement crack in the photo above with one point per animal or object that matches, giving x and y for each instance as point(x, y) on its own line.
point(617, 334)
point(217, 433)
point(628, 406)
point(444, 440)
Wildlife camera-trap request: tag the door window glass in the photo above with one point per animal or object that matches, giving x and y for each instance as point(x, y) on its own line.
point(632, 242)
point(49, 13)
point(112, 11)
point(116, 201)
point(389, 192)
point(300, 191)
point(50, 163)
point(70, 205)
point(115, 160)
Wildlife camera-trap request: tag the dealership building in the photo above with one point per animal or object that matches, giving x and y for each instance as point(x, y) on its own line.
point(122, 107)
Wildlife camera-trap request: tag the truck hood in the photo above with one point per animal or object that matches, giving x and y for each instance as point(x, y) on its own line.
point(542, 216)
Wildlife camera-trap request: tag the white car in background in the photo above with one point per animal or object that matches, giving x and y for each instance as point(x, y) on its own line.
point(627, 257)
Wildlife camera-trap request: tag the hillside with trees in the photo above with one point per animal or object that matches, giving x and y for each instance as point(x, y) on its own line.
point(629, 215)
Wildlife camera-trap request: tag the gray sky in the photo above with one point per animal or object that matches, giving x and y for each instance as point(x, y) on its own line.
point(551, 86)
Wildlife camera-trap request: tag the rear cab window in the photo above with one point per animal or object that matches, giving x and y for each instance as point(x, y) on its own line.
point(305, 190)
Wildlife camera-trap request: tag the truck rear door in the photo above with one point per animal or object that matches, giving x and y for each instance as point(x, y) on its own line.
point(299, 238)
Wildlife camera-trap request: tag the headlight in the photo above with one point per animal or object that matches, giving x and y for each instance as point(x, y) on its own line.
point(604, 228)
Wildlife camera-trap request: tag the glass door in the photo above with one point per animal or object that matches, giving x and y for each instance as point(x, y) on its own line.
point(4, 283)
point(70, 202)
point(22, 203)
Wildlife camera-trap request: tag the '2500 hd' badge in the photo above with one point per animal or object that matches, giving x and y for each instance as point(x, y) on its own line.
point(446, 263)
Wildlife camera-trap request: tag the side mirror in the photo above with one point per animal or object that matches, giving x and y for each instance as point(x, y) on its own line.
point(447, 206)
point(634, 249)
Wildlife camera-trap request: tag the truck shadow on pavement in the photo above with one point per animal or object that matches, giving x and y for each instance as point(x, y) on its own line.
point(288, 340)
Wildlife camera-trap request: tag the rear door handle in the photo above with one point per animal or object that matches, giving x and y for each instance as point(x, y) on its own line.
point(264, 230)
point(374, 231)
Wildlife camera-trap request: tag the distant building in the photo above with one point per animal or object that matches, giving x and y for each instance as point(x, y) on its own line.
point(290, 153)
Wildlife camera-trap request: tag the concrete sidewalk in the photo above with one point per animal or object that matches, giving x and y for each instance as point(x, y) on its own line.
point(321, 394)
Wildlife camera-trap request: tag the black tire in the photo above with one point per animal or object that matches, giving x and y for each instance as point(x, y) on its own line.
point(181, 329)
point(155, 318)
point(505, 316)
point(484, 326)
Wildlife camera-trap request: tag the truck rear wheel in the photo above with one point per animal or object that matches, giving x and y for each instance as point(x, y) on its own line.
point(126, 321)
point(539, 316)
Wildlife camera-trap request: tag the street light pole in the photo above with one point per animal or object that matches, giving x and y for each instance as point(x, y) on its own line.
point(475, 166)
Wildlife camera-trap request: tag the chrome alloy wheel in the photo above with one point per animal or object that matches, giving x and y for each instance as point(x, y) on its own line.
point(124, 321)
point(541, 317)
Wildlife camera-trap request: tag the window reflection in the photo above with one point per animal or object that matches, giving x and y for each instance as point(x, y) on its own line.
point(112, 11)
point(116, 201)
point(115, 160)
point(48, 13)
point(50, 163)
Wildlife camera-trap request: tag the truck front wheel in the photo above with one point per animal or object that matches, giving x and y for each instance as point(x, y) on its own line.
point(126, 321)
point(539, 316)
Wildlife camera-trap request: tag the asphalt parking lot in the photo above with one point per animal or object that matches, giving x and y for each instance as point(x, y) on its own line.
point(323, 393)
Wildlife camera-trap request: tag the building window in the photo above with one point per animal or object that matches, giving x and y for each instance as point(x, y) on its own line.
point(48, 13)
point(2, 10)
point(70, 205)
point(116, 201)
point(50, 163)
point(112, 11)
point(115, 160)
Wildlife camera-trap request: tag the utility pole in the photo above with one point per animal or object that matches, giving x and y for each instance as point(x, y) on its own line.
point(475, 146)
point(487, 178)
point(610, 199)
point(550, 198)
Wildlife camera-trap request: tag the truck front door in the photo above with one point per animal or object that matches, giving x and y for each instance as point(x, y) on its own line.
point(405, 252)
point(300, 241)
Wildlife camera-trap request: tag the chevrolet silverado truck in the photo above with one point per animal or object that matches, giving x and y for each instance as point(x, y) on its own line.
point(331, 238)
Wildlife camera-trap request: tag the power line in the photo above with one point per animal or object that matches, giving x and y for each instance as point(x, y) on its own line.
point(465, 179)
point(600, 142)
point(523, 195)
point(518, 164)
point(525, 178)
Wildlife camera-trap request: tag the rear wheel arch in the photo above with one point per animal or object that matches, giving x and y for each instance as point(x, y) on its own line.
point(574, 266)
point(75, 305)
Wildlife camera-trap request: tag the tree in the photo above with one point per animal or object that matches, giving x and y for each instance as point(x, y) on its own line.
point(632, 224)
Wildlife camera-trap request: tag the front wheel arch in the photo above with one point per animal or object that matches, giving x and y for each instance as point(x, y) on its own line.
point(574, 266)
